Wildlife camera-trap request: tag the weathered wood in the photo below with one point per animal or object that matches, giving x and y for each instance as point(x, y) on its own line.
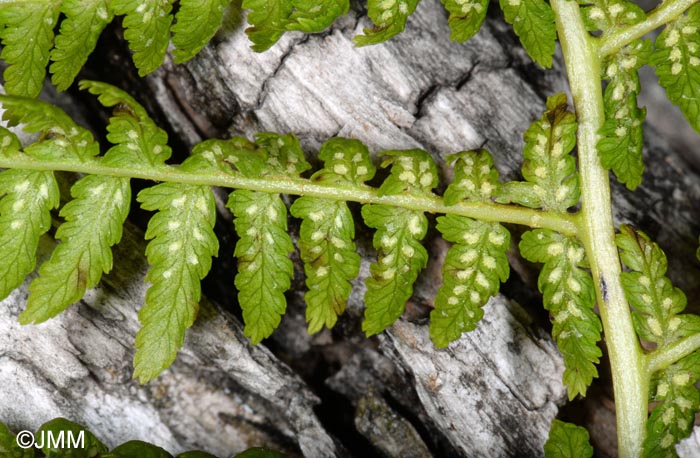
point(493, 393)
point(222, 394)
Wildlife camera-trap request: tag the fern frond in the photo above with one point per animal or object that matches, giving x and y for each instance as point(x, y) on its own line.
point(94, 221)
point(465, 17)
point(264, 268)
point(476, 263)
point(135, 136)
point(63, 137)
point(678, 399)
point(82, 26)
point(552, 182)
point(26, 29)
point(533, 23)
point(620, 147)
point(568, 294)
point(400, 254)
point(196, 22)
point(29, 197)
point(147, 24)
point(657, 303)
point(389, 18)
point(677, 61)
point(182, 245)
point(327, 233)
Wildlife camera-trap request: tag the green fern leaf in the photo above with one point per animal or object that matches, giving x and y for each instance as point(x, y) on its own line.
point(567, 440)
point(400, 258)
point(606, 15)
point(475, 177)
point(311, 16)
point(63, 138)
point(78, 36)
point(196, 23)
point(678, 400)
point(89, 444)
point(180, 251)
point(147, 24)
point(620, 147)
point(476, 263)
point(268, 19)
point(389, 18)
point(569, 296)
point(9, 446)
point(552, 181)
point(655, 300)
point(473, 269)
point(93, 224)
point(466, 17)
point(220, 155)
point(264, 268)
point(9, 143)
point(330, 259)
point(400, 254)
point(136, 136)
point(533, 23)
point(283, 154)
point(677, 62)
point(327, 233)
point(26, 29)
point(25, 215)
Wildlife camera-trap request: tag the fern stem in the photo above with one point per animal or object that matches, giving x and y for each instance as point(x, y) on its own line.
point(661, 359)
point(598, 231)
point(564, 223)
point(666, 12)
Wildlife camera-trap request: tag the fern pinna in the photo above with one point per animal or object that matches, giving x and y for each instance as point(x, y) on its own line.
point(182, 241)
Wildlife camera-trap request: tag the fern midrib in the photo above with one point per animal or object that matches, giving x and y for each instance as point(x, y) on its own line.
point(564, 223)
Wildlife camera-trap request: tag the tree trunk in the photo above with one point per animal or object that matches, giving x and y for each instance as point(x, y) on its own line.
point(492, 393)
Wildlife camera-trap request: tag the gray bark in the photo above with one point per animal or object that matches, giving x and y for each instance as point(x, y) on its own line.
point(492, 393)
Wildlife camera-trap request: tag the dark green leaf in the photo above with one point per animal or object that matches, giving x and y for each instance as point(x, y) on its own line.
point(567, 440)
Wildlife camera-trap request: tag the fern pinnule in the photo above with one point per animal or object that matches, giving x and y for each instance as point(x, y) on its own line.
point(135, 136)
point(552, 182)
point(264, 268)
point(657, 303)
point(27, 58)
point(180, 251)
point(622, 141)
point(327, 233)
point(476, 263)
point(568, 293)
point(83, 23)
point(656, 317)
point(196, 22)
point(147, 24)
point(26, 200)
point(389, 19)
point(94, 220)
point(676, 60)
point(466, 17)
point(400, 256)
point(678, 400)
